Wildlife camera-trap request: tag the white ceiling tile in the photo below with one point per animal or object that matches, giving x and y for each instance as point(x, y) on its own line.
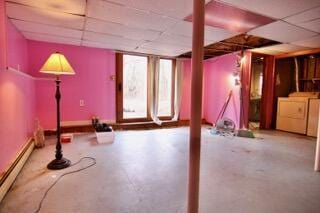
point(45, 29)
point(313, 42)
point(274, 8)
point(36, 15)
point(175, 40)
point(304, 16)
point(107, 11)
point(311, 25)
point(99, 26)
point(267, 51)
point(183, 28)
point(287, 48)
point(212, 34)
point(128, 16)
point(164, 47)
point(309, 19)
point(178, 8)
point(50, 38)
point(167, 53)
point(281, 31)
point(67, 6)
point(279, 49)
point(105, 38)
point(121, 2)
point(110, 46)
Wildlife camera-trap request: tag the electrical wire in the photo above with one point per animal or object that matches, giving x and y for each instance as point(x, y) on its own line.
point(64, 174)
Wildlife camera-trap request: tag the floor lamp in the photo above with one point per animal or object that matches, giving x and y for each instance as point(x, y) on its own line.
point(57, 64)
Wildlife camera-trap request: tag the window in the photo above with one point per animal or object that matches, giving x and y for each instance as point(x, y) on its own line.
point(134, 94)
point(135, 70)
point(165, 88)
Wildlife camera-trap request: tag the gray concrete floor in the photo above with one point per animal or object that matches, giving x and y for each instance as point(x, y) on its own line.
point(146, 171)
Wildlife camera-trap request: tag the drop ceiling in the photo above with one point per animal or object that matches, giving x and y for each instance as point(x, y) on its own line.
point(161, 27)
point(234, 44)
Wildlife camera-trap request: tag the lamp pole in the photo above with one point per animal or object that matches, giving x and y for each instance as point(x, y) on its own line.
point(60, 162)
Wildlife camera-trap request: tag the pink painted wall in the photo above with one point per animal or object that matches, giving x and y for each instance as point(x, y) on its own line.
point(186, 92)
point(3, 36)
point(17, 49)
point(91, 83)
point(17, 115)
point(17, 96)
point(218, 82)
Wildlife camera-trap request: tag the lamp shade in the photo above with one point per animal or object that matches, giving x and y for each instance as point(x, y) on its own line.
point(57, 64)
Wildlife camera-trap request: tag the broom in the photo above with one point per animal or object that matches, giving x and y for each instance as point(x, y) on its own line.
point(224, 107)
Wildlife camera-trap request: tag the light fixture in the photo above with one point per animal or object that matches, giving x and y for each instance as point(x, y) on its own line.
point(236, 77)
point(57, 64)
point(235, 73)
point(237, 82)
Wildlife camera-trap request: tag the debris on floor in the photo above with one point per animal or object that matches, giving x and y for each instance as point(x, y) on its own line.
point(224, 127)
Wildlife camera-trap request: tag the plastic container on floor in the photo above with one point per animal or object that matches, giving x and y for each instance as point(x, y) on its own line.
point(105, 137)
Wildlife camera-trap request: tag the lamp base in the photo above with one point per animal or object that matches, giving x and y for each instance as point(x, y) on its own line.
point(59, 164)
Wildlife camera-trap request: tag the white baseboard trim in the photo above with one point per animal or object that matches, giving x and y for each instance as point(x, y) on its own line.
point(83, 122)
point(9, 177)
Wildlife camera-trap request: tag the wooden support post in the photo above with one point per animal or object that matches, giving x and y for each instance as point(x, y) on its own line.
point(196, 105)
point(317, 158)
point(268, 92)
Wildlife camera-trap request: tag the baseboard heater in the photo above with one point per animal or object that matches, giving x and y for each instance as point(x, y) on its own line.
point(10, 175)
